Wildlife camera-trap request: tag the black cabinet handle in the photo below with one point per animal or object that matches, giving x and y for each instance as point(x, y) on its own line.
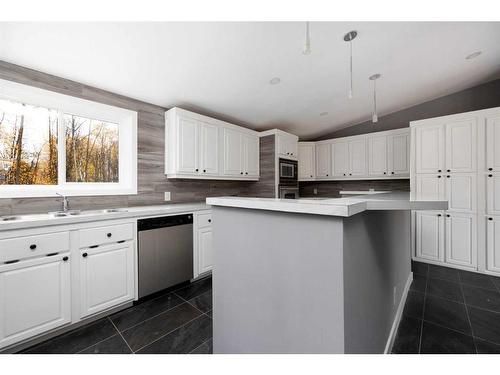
point(326, 175)
point(122, 241)
point(33, 247)
point(350, 174)
point(439, 170)
point(246, 172)
point(344, 174)
point(490, 218)
point(439, 215)
point(311, 175)
point(84, 255)
point(109, 235)
point(241, 172)
point(65, 259)
point(196, 169)
point(448, 170)
point(204, 170)
point(490, 175)
point(439, 176)
point(490, 169)
point(447, 215)
point(51, 254)
point(209, 220)
point(392, 172)
point(447, 176)
point(384, 173)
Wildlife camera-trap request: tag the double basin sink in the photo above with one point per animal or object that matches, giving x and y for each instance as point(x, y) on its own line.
point(57, 214)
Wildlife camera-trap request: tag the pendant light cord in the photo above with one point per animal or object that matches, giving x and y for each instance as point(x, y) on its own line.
point(350, 69)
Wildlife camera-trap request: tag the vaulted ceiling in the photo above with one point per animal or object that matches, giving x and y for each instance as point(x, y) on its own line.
point(224, 69)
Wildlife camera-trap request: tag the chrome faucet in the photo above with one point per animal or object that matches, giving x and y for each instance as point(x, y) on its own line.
point(64, 203)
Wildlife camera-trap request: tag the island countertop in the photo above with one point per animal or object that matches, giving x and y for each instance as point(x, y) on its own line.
point(344, 207)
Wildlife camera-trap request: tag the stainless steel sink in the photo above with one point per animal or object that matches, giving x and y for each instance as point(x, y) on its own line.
point(65, 213)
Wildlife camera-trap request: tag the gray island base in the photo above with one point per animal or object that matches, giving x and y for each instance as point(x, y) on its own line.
point(310, 276)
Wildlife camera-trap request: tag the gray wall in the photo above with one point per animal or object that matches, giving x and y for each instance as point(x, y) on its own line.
point(152, 182)
point(265, 187)
point(483, 96)
point(376, 259)
point(332, 188)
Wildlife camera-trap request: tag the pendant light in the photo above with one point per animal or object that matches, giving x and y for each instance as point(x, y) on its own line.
point(374, 79)
point(349, 37)
point(307, 42)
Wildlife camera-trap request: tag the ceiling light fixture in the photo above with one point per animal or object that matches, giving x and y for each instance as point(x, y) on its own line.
point(275, 81)
point(307, 42)
point(473, 55)
point(349, 37)
point(374, 79)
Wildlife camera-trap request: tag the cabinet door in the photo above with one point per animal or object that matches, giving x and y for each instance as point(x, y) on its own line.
point(340, 159)
point(461, 242)
point(493, 143)
point(292, 147)
point(461, 192)
point(34, 298)
point(430, 149)
point(461, 146)
point(188, 147)
point(323, 160)
point(377, 155)
point(233, 155)
point(357, 157)
point(209, 139)
point(493, 194)
point(398, 147)
point(306, 162)
point(106, 277)
point(205, 255)
point(251, 151)
point(430, 187)
point(493, 244)
point(430, 235)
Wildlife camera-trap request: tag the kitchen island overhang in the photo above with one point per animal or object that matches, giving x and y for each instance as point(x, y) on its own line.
point(310, 276)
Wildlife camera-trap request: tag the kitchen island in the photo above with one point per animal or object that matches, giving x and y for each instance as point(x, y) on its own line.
point(311, 275)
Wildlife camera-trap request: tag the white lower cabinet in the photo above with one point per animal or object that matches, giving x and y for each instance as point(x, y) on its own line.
point(106, 277)
point(35, 297)
point(203, 251)
point(493, 244)
point(430, 235)
point(461, 241)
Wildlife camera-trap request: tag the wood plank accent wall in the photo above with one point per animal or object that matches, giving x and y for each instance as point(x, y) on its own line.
point(152, 182)
point(332, 188)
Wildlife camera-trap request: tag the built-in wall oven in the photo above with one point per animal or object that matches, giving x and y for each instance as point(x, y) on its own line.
point(288, 181)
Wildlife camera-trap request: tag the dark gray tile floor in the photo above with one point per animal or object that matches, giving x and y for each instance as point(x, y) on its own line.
point(177, 321)
point(450, 311)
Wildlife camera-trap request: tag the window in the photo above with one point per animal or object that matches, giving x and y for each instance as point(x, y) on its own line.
point(52, 143)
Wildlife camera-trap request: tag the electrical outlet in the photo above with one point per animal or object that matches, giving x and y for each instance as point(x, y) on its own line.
point(167, 196)
point(394, 292)
point(315, 191)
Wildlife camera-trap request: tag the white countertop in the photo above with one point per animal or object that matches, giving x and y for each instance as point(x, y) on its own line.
point(42, 220)
point(344, 207)
point(362, 192)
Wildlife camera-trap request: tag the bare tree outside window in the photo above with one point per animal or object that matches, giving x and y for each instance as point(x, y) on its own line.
point(28, 144)
point(91, 150)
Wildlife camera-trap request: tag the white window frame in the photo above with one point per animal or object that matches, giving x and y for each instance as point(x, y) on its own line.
point(127, 143)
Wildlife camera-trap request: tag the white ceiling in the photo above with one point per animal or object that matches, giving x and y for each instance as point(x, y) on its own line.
point(223, 69)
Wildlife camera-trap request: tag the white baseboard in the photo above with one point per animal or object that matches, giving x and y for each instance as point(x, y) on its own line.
point(399, 314)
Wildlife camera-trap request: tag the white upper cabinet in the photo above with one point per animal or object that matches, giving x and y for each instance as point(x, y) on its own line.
point(287, 145)
point(357, 157)
point(461, 141)
point(323, 165)
point(493, 194)
point(377, 155)
point(340, 158)
point(398, 154)
point(307, 161)
point(461, 242)
point(461, 192)
point(430, 235)
point(493, 143)
point(205, 148)
point(430, 149)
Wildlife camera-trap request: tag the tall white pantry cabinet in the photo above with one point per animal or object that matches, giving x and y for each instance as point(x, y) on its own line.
point(457, 158)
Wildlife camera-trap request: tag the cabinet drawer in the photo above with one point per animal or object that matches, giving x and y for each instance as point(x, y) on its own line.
point(105, 235)
point(33, 246)
point(204, 220)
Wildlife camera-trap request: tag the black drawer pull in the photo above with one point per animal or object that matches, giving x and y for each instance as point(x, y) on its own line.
point(84, 255)
point(109, 235)
point(11, 261)
point(490, 169)
point(490, 218)
point(392, 172)
point(447, 215)
point(65, 259)
point(439, 176)
point(384, 172)
point(439, 170)
point(209, 220)
point(196, 169)
point(122, 241)
point(439, 215)
point(204, 170)
point(33, 247)
point(448, 176)
point(51, 254)
point(448, 170)
point(93, 246)
point(490, 175)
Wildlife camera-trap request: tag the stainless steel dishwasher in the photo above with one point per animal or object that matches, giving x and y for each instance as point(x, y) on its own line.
point(165, 252)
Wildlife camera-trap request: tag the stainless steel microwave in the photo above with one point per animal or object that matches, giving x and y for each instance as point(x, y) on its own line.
point(288, 170)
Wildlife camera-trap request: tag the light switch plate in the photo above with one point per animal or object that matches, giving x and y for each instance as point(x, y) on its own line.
point(167, 196)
